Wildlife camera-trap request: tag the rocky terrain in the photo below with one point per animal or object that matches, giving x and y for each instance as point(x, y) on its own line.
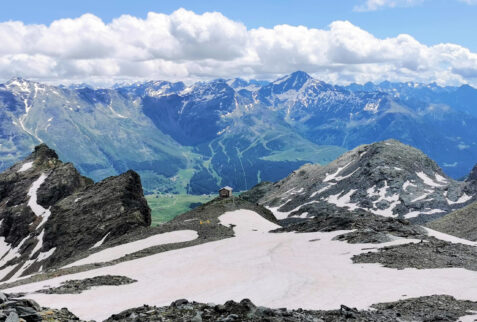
point(367, 227)
point(430, 308)
point(49, 212)
point(16, 309)
point(461, 223)
point(387, 178)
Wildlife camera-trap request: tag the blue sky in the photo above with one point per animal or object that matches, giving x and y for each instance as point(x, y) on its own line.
point(343, 41)
point(430, 22)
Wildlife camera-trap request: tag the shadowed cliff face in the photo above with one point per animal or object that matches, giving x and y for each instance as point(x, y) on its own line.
point(48, 212)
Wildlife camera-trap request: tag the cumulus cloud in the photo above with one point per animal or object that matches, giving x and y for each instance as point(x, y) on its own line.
point(185, 45)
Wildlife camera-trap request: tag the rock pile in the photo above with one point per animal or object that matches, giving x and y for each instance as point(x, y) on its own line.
point(429, 308)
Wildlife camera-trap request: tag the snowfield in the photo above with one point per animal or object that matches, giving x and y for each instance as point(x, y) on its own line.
point(116, 252)
point(293, 270)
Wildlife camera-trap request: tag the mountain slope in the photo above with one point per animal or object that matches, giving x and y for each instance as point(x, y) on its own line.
point(461, 223)
point(49, 212)
point(386, 178)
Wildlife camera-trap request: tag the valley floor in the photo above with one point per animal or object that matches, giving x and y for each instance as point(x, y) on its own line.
point(165, 207)
point(293, 270)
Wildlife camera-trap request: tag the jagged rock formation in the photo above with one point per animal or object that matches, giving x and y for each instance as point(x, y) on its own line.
point(428, 308)
point(386, 178)
point(49, 212)
point(461, 223)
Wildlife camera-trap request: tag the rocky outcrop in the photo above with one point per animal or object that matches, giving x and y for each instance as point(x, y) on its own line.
point(387, 178)
point(367, 227)
point(427, 308)
point(14, 308)
point(78, 286)
point(424, 255)
point(49, 212)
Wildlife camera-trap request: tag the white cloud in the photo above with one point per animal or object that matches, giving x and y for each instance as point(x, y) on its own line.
point(471, 2)
point(372, 5)
point(185, 45)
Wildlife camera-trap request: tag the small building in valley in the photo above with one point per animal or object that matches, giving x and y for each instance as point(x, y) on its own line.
point(225, 192)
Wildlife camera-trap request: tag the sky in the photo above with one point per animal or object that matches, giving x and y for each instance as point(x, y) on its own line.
point(337, 41)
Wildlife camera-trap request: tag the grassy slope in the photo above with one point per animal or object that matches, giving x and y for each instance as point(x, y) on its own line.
point(165, 207)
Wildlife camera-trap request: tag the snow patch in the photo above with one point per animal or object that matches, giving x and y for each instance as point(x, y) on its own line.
point(46, 254)
point(37, 209)
point(413, 214)
point(99, 243)
point(26, 166)
point(330, 177)
point(343, 201)
point(449, 238)
point(464, 198)
point(246, 221)
point(428, 181)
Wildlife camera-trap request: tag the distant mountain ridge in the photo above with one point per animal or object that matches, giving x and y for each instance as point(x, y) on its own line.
point(195, 138)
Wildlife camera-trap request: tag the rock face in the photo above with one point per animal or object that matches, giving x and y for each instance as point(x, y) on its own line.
point(15, 309)
point(461, 223)
point(386, 178)
point(48, 212)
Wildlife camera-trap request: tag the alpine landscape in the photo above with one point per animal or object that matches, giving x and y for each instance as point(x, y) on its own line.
point(211, 164)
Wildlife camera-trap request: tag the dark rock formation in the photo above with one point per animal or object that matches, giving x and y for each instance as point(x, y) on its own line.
point(428, 308)
point(424, 255)
point(49, 212)
point(369, 228)
point(15, 309)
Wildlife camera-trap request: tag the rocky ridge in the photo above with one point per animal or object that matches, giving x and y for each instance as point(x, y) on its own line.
point(49, 212)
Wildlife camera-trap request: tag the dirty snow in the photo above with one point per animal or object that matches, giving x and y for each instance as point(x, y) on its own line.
point(274, 270)
point(116, 252)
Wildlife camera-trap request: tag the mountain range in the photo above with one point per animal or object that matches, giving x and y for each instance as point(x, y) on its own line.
point(195, 138)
